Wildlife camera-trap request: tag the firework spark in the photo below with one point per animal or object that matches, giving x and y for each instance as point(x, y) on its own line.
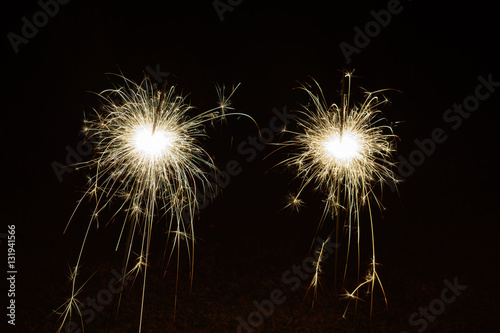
point(344, 152)
point(147, 153)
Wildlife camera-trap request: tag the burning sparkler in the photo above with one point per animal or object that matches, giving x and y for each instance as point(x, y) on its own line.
point(344, 151)
point(148, 154)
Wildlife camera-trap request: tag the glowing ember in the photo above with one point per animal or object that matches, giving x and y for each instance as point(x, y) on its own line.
point(152, 144)
point(343, 148)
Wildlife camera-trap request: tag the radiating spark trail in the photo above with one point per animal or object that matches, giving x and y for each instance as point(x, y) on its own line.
point(344, 152)
point(148, 154)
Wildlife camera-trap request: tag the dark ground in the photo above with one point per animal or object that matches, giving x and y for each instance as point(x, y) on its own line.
point(442, 225)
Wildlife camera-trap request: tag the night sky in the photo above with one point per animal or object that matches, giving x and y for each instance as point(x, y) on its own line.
point(436, 237)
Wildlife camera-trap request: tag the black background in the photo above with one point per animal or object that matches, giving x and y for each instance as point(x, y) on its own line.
point(441, 225)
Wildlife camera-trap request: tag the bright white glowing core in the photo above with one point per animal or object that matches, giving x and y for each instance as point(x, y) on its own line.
point(152, 144)
point(344, 148)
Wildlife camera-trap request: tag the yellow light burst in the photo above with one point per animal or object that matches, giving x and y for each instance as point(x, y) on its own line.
point(153, 144)
point(343, 151)
point(343, 148)
point(147, 152)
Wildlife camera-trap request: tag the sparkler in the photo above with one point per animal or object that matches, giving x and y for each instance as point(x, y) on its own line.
point(345, 152)
point(147, 154)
